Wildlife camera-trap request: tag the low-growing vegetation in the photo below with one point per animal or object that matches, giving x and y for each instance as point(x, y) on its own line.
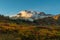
point(48, 29)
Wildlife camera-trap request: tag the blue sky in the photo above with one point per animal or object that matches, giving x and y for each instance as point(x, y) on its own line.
point(11, 7)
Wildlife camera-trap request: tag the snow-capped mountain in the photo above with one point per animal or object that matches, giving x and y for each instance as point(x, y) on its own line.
point(31, 15)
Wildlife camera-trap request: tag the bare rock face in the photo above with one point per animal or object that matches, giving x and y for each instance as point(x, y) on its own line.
point(42, 13)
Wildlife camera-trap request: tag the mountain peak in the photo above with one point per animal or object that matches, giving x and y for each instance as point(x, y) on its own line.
point(25, 14)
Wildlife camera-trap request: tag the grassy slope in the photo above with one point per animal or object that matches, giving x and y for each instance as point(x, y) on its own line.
point(15, 30)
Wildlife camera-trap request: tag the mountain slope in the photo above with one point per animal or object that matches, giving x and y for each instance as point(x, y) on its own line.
point(20, 29)
point(56, 17)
